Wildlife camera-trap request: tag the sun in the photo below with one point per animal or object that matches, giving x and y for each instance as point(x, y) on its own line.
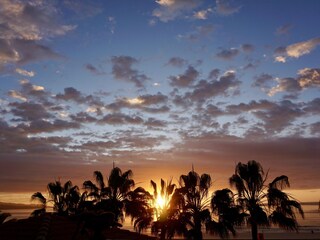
point(160, 202)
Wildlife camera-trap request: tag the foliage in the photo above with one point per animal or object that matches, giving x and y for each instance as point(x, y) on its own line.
point(264, 204)
point(65, 198)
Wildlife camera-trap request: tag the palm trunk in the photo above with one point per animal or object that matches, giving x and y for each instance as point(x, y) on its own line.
point(197, 231)
point(163, 233)
point(254, 231)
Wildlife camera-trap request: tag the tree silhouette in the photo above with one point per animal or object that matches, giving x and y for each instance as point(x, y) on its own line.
point(117, 197)
point(227, 213)
point(137, 206)
point(194, 202)
point(258, 199)
point(166, 211)
point(65, 198)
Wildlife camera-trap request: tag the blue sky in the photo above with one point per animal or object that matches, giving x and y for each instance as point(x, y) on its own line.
point(157, 86)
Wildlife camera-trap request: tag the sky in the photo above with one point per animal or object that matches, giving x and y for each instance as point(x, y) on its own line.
point(158, 86)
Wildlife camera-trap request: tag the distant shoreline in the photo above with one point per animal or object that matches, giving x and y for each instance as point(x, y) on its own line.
point(7, 206)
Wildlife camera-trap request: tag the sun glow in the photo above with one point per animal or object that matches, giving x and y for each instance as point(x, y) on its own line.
point(160, 202)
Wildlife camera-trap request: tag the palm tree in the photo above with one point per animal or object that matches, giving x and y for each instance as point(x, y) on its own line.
point(65, 198)
point(193, 192)
point(165, 209)
point(115, 194)
point(264, 204)
point(137, 205)
point(42, 200)
point(227, 213)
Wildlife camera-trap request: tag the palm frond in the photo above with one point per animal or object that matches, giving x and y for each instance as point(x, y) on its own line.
point(39, 197)
point(99, 179)
point(280, 182)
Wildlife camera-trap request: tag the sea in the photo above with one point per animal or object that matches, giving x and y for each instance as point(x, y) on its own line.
point(310, 224)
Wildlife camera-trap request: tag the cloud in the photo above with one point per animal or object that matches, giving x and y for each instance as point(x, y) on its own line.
point(247, 48)
point(25, 73)
point(20, 52)
point(83, 117)
point(186, 79)
point(155, 123)
point(41, 126)
point(307, 78)
point(93, 69)
point(142, 102)
point(202, 14)
point(315, 128)
point(198, 33)
point(224, 86)
point(284, 29)
point(296, 50)
point(285, 84)
point(122, 70)
point(228, 54)
point(29, 91)
point(224, 8)
point(72, 94)
point(169, 10)
point(263, 81)
point(276, 117)
point(29, 111)
point(177, 62)
point(120, 119)
point(112, 24)
point(30, 20)
point(23, 24)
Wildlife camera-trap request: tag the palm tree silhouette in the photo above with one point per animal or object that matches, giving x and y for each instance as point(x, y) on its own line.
point(117, 197)
point(258, 199)
point(193, 198)
point(42, 200)
point(65, 198)
point(227, 213)
point(165, 210)
point(137, 206)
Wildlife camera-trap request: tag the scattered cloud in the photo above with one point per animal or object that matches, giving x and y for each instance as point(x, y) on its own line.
point(177, 62)
point(112, 24)
point(122, 70)
point(199, 33)
point(93, 69)
point(284, 29)
point(307, 78)
point(224, 8)
point(285, 85)
point(185, 79)
point(228, 54)
point(247, 48)
point(202, 14)
point(296, 50)
point(169, 10)
point(225, 85)
point(24, 24)
point(120, 119)
point(25, 73)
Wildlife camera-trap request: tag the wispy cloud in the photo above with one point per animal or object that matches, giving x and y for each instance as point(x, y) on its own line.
point(296, 50)
point(169, 10)
point(223, 7)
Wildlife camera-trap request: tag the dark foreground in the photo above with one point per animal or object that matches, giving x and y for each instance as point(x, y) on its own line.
point(52, 227)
